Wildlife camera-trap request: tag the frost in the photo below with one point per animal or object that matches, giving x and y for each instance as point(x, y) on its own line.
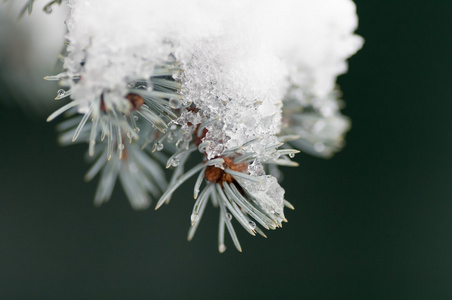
point(256, 168)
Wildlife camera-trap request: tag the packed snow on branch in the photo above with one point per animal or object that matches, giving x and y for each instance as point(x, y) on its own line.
point(231, 79)
point(239, 56)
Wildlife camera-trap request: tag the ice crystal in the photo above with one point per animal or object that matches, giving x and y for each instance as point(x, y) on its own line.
point(268, 194)
point(236, 87)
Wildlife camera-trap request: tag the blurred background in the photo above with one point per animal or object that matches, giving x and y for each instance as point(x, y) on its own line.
point(373, 222)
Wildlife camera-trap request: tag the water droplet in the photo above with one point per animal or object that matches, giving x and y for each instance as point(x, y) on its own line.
point(135, 118)
point(194, 218)
point(175, 162)
point(292, 155)
point(181, 144)
point(129, 136)
point(48, 9)
point(159, 146)
point(229, 216)
point(121, 146)
point(187, 137)
point(61, 92)
point(174, 103)
point(252, 225)
point(170, 137)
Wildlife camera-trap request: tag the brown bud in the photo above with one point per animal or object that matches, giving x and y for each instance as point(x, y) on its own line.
point(213, 174)
point(136, 100)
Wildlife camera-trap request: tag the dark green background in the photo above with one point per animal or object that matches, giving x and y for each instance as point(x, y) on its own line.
point(374, 222)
